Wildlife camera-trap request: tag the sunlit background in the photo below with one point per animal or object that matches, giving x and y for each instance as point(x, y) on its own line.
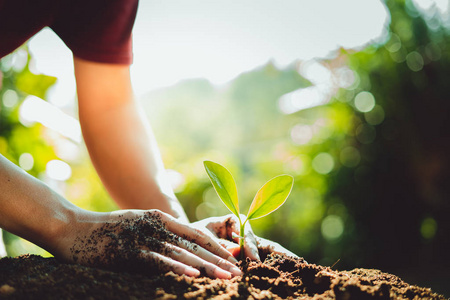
point(349, 97)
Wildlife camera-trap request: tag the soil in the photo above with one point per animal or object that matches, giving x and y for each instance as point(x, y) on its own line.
point(274, 277)
point(278, 277)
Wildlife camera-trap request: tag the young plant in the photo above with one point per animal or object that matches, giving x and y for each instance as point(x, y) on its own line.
point(269, 198)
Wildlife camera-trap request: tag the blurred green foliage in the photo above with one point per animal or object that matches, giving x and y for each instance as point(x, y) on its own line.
point(15, 138)
point(370, 163)
point(31, 145)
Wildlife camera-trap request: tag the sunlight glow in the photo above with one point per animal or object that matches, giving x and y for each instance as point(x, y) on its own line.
point(442, 5)
point(2, 245)
point(34, 109)
point(218, 40)
point(346, 77)
point(325, 82)
point(301, 134)
point(176, 179)
point(302, 99)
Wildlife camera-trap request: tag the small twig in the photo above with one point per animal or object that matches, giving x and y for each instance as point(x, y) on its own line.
point(335, 263)
point(289, 274)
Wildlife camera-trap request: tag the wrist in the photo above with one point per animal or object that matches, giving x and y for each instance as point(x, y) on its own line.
point(64, 228)
point(177, 210)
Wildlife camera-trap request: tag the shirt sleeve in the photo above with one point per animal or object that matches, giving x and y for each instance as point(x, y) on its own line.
point(98, 30)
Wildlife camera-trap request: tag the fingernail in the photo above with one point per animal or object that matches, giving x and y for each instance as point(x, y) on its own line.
point(219, 273)
point(255, 253)
point(192, 272)
point(231, 259)
point(235, 271)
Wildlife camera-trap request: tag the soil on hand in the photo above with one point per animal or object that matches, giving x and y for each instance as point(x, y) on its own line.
point(119, 245)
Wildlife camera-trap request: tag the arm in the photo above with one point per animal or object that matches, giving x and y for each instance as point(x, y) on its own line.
point(124, 151)
point(120, 142)
point(30, 209)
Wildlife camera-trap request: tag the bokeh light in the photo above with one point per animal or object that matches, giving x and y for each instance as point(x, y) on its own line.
point(26, 161)
point(414, 61)
point(332, 227)
point(375, 116)
point(364, 102)
point(350, 157)
point(323, 163)
point(10, 98)
point(58, 170)
point(428, 228)
point(301, 134)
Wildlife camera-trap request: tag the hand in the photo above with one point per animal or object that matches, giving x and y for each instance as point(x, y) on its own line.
point(222, 228)
point(147, 241)
point(269, 246)
point(2, 246)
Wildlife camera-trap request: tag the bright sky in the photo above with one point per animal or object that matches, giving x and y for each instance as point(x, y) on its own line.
point(218, 40)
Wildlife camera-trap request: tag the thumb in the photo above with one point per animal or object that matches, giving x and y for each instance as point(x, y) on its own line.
point(250, 244)
point(233, 248)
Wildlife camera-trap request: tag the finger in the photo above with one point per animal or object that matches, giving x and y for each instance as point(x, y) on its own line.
point(275, 247)
point(209, 232)
point(232, 224)
point(250, 243)
point(233, 248)
point(196, 236)
point(227, 244)
point(167, 264)
point(217, 226)
point(209, 257)
point(188, 258)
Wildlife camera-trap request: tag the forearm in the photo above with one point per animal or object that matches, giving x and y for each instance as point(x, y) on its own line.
point(124, 152)
point(28, 208)
point(120, 141)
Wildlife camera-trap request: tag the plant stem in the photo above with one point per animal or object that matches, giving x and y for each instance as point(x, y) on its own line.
point(241, 240)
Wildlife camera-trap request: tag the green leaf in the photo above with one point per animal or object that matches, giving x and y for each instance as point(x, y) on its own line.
point(34, 84)
point(224, 185)
point(271, 196)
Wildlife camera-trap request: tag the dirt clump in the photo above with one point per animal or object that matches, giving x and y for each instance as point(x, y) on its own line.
point(274, 277)
point(277, 277)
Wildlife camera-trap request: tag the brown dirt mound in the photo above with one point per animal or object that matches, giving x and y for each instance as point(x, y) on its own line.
point(278, 277)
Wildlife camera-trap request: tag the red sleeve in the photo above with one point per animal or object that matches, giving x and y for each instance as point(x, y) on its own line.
point(98, 30)
point(21, 19)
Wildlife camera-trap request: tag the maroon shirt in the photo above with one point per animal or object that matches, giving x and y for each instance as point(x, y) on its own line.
point(95, 30)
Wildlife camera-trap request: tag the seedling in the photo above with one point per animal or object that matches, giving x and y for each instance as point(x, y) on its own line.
point(268, 199)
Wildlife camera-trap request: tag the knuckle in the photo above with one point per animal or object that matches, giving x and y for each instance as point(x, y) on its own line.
point(196, 231)
point(221, 263)
point(199, 233)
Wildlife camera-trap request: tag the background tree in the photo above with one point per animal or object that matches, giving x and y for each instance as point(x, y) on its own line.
point(365, 134)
